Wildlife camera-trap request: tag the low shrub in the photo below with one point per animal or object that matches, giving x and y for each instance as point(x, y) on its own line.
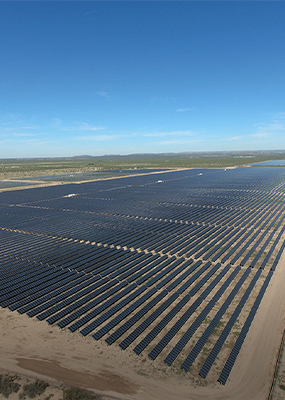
point(74, 393)
point(8, 385)
point(33, 389)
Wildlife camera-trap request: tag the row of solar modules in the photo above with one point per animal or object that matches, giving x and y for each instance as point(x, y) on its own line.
point(157, 208)
point(164, 305)
point(125, 191)
point(146, 296)
point(28, 277)
point(205, 241)
point(158, 348)
point(221, 340)
point(93, 259)
point(185, 199)
point(28, 196)
point(237, 179)
point(33, 212)
point(147, 306)
point(142, 198)
point(152, 266)
point(194, 326)
point(40, 284)
point(38, 281)
point(155, 277)
point(70, 254)
point(186, 315)
point(124, 240)
point(175, 272)
point(166, 194)
point(173, 313)
point(114, 290)
point(4, 184)
point(189, 213)
point(171, 237)
point(238, 344)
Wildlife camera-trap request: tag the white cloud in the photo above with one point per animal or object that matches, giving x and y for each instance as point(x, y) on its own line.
point(88, 127)
point(184, 109)
point(16, 126)
point(83, 127)
point(259, 135)
point(234, 138)
point(163, 99)
point(56, 122)
point(105, 95)
point(30, 127)
point(19, 135)
point(178, 141)
point(15, 136)
point(276, 126)
point(98, 138)
point(279, 115)
point(172, 133)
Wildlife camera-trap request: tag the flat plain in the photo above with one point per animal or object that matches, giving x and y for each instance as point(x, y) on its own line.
point(147, 286)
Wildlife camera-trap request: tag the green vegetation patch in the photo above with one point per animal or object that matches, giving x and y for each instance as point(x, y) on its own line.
point(8, 385)
point(13, 168)
point(33, 389)
point(74, 393)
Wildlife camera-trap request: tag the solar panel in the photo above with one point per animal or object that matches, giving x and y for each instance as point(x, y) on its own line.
point(238, 344)
point(115, 260)
point(105, 329)
point(188, 334)
point(218, 345)
point(198, 346)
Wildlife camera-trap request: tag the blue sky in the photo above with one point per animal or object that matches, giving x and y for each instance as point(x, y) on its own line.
point(141, 77)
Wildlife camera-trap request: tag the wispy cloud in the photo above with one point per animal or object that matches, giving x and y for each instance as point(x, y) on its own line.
point(235, 138)
point(163, 99)
point(276, 126)
point(279, 115)
point(82, 126)
point(104, 94)
point(12, 135)
point(91, 12)
point(184, 109)
point(259, 135)
point(98, 138)
point(15, 131)
point(56, 122)
point(33, 127)
point(23, 140)
point(16, 125)
point(22, 134)
point(179, 142)
point(171, 133)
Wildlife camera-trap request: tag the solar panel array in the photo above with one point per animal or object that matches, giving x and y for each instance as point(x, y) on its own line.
point(173, 265)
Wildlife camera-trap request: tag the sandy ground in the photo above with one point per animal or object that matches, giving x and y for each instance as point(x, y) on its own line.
point(35, 349)
point(278, 391)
